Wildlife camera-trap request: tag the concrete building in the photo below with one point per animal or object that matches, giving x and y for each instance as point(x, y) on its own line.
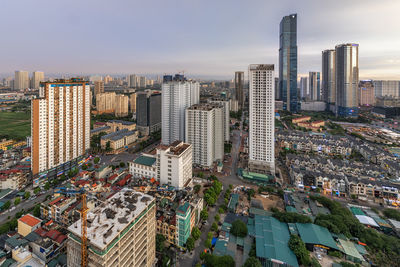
point(226, 125)
point(347, 80)
point(132, 81)
point(132, 103)
point(21, 80)
point(204, 131)
point(121, 232)
point(148, 112)
point(98, 87)
point(27, 224)
point(239, 93)
point(304, 89)
point(142, 82)
point(386, 88)
point(144, 166)
point(37, 77)
point(183, 228)
point(108, 79)
point(105, 103)
point(288, 62)
point(329, 76)
point(314, 79)
point(366, 93)
point(117, 125)
point(178, 93)
point(121, 105)
point(60, 123)
point(313, 105)
point(262, 118)
point(119, 139)
point(174, 164)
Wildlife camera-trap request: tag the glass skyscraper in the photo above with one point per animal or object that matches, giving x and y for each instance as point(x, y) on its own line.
point(288, 62)
point(329, 76)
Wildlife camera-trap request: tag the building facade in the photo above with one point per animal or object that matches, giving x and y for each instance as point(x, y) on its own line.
point(105, 103)
point(386, 88)
point(329, 76)
point(21, 80)
point(98, 87)
point(121, 105)
point(204, 131)
point(60, 124)
point(178, 93)
point(288, 62)
point(183, 228)
point(347, 80)
point(239, 84)
point(262, 118)
point(315, 85)
point(366, 93)
point(132, 103)
point(37, 77)
point(304, 90)
point(225, 104)
point(148, 112)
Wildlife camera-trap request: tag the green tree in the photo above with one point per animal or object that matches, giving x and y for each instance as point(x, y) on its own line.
point(196, 233)
point(252, 262)
point(214, 227)
point(6, 205)
point(47, 186)
point(36, 211)
point(17, 200)
point(250, 193)
point(392, 214)
point(221, 210)
point(204, 214)
point(122, 164)
point(208, 243)
point(239, 228)
point(197, 188)
point(200, 175)
point(84, 167)
point(315, 263)
point(36, 190)
point(217, 217)
point(96, 160)
point(190, 243)
point(160, 246)
point(27, 195)
point(299, 249)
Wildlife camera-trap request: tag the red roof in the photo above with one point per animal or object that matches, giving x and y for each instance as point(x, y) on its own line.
point(61, 239)
point(112, 177)
point(56, 200)
point(30, 220)
point(40, 231)
point(53, 234)
point(49, 223)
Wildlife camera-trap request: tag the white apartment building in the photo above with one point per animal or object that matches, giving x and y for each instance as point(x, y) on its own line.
point(205, 132)
point(226, 109)
point(144, 166)
point(21, 80)
point(262, 120)
point(177, 95)
point(60, 123)
point(174, 164)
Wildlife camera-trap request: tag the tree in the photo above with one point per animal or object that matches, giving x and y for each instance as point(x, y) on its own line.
point(122, 164)
point(36, 211)
point(6, 205)
point(200, 175)
point(252, 262)
point(221, 210)
point(96, 160)
point(108, 146)
point(17, 200)
point(217, 217)
point(84, 167)
point(392, 214)
point(204, 214)
point(36, 190)
point(218, 261)
point(250, 193)
point(239, 228)
point(47, 186)
point(214, 227)
point(299, 249)
point(190, 243)
point(208, 243)
point(197, 188)
point(27, 195)
point(90, 164)
point(160, 246)
point(196, 233)
point(230, 187)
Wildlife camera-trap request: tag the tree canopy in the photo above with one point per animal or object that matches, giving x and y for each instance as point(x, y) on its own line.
point(239, 228)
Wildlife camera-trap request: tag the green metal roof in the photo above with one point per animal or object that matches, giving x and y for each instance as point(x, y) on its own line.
point(226, 227)
point(256, 176)
point(233, 202)
point(314, 234)
point(256, 211)
point(361, 249)
point(290, 209)
point(357, 211)
point(144, 160)
point(8, 262)
point(5, 192)
point(350, 250)
point(272, 238)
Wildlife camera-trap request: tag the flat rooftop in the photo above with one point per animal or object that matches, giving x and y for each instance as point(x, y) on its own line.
point(118, 135)
point(108, 220)
point(205, 106)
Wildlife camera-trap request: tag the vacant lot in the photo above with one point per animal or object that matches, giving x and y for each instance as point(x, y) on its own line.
point(15, 125)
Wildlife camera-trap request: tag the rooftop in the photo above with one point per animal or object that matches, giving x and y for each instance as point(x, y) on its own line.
point(118, 135)
point(314, 234)
point(144, 160)
point(122, 122)
point(204, 106)
point(30, 220)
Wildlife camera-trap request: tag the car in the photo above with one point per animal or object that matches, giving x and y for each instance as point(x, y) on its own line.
point(319, 257)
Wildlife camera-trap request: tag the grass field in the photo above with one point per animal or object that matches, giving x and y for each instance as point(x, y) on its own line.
point(15, 124)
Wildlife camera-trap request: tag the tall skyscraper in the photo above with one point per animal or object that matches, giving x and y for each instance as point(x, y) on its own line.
point(347, 80)
point(142, 82)
point(121, 105)
point(288, 62)
point(304, 89)
point(21, 80)
point(178, 93)
point(315, 85)
point(37, 77)
point(132, 103)
point(148, 112)
point(98, 87)
point(105, 102)
point(225, 104)
point(329, 76)
point(239, 84)
point(277, 93)
point(262, 118)
point(60, 123)
point(204, 131)
point(132, 81)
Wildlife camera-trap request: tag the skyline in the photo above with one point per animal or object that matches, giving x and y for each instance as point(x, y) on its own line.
point(202, 39)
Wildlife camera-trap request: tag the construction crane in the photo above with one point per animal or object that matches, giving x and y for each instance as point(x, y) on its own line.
point(83, 211)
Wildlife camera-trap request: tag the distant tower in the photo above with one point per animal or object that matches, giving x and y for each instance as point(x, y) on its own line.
point(329, 76)
point(314, 79)
point(239, 84)
point(37, 77)
point(21, 80)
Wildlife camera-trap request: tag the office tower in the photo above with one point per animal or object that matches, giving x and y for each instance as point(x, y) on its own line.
point(37, 77)
point(288, 62)
point(239, 84)
point(98, 87)
point(204, 131)
point(315, 85)
point(105, 103)
point(388, 89)
point(121, 105)
point(174, 164)
point(148, 112)
point(304, 89)
point(121, 231)
point(132, 102)
point(225, 104)
point(108, 79)
point(329, 76)
point(21, 80)
point(60, 123)
point(347, 80)
point(366, 93)
point(277, 93)
point(262, 118)
point(178, 93)
point(132, 81)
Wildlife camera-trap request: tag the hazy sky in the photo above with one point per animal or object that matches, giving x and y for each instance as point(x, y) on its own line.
point(212, 38)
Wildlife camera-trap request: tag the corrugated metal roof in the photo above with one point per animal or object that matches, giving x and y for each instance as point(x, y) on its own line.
point(314, 234)
point(144, 160)
point(350, 249)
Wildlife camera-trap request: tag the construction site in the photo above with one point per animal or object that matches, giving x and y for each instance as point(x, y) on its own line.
point(120, 231)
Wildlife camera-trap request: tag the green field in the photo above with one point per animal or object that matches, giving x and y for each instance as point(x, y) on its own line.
point(15, 125)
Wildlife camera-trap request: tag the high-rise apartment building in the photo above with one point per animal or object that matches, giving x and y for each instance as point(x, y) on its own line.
point(226, 121)
point(21, 80)
point(98, 87)
point(178, 93)
point(108, 79)
point(121, 105)
point(133, 81)
point(329, 76)
point(262, 118)
point(347, 80)
point(314, 79)
point(120, 232)
point(304, 89)
point(277, 92)
point(288, 62)
point(37, 77)
point(174, 164)
point(142, 82)
point(204, 131)
point(148, 112)
point(389, 89)
point(239, 84)
point(366, 93)
point(105, 102)
point(60, 123)
point(132, 103)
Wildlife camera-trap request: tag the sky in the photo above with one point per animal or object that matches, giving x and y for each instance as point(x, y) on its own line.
point(204, 38)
